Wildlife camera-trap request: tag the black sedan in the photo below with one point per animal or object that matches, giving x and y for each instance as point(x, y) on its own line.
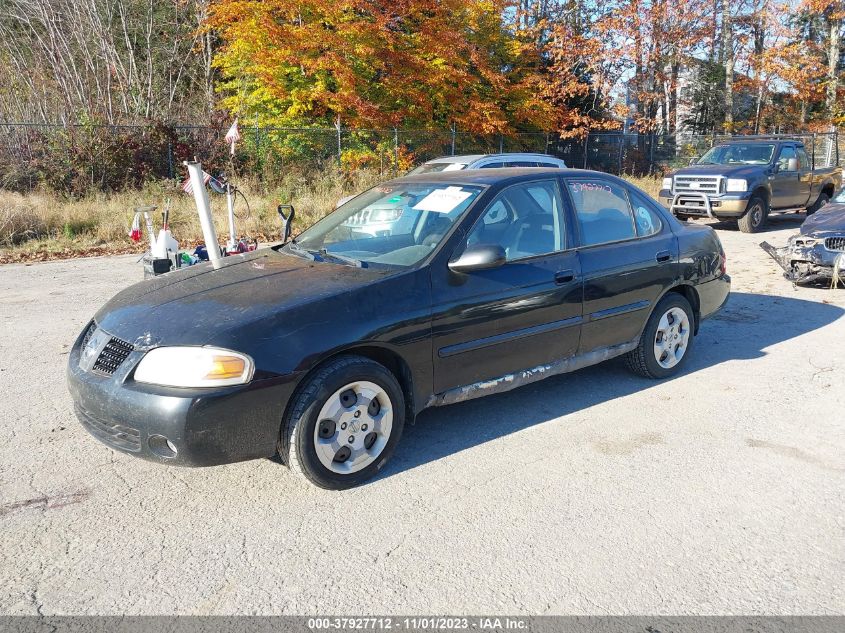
point(322, 349)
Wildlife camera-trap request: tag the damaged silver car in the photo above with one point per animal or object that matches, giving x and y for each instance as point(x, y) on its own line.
point(817, 252)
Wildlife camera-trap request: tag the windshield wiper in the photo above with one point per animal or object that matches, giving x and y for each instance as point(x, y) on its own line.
point(295, 247)
point(343, 258)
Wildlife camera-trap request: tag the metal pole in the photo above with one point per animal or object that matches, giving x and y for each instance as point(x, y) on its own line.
point(454, 133)
point(230, 204)
point(396, 149)
point(204, 210)
point(339, 148)
point(501, 143)
point(586, 143)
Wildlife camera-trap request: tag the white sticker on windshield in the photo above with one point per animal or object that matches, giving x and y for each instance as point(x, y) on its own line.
point(442, 200)
point(454, 166)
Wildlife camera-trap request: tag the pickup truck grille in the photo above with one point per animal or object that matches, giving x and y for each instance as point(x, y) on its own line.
point(835, 244)
point(699, 184)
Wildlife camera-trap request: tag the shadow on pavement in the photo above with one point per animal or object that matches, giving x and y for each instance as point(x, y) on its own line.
point(773, 223)
point(748, 325)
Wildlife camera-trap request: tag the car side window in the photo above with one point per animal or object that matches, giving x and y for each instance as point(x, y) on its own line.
point(525, 220)
point(646, 217)
point(542, 164)
point(491, 166)
point(803, 159)
point(604, 214)
point(785, 154)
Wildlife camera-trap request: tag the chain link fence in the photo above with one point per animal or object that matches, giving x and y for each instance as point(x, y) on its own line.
point(112, 157)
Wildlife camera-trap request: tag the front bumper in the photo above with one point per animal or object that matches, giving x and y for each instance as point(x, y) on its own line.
point(724, 206)
point(805, 262)
point(206, 427)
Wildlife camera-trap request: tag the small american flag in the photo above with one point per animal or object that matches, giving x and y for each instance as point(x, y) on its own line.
point(233, 135)
point(188, 186)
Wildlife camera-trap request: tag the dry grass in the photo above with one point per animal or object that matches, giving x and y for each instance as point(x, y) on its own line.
point(42, 225)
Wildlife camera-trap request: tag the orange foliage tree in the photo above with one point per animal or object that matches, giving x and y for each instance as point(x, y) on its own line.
point(369, 64)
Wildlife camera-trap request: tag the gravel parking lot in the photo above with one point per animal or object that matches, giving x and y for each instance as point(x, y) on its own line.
point(717, 492)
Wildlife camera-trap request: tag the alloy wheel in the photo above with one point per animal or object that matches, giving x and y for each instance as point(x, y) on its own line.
point(672, 337)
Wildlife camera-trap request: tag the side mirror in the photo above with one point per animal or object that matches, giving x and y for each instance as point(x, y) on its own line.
point(792, 164)
point(479, 257)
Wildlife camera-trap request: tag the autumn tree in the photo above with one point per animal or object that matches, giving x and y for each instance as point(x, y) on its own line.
point(366, 64)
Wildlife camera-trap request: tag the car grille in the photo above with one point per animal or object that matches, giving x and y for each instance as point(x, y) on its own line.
point(698, 184)
point(112, 356)
point(835, 244)
point(111, 433)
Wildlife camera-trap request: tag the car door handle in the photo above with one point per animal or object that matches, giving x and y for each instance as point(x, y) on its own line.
point(564, 276)
point(663, 256)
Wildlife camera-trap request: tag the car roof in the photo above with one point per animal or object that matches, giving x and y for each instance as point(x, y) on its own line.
point(487, 177)
point(471, 158)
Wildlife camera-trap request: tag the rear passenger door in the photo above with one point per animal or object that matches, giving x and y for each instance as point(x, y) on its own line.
point(628, 256)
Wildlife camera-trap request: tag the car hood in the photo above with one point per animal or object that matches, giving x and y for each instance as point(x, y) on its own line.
point(191, 306)
point(826, 222)
point(729, 171)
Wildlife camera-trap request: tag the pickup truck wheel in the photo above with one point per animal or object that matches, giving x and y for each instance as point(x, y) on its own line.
point(666, 341)
point(344, 423)
point(755, 217)
point(818, 204)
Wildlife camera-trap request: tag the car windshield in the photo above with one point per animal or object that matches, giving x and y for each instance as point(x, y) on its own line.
point(429, 168)
point(840, 197)
point(392, 224)
point(739, 154)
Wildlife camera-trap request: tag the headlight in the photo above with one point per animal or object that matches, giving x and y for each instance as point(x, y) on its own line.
point(736, 184)
point(194, 367)
point(667, 183)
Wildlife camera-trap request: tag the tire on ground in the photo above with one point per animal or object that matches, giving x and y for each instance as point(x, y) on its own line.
point(642, 359)
point(818, 204)
point(297, 444)
point(755, 217)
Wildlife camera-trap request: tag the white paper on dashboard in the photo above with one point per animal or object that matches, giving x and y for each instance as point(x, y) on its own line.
point(442, 200)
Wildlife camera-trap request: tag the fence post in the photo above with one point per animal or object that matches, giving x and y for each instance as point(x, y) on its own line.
point(651, 154)
point(546, 148)
point(586, 144)
point(396, 149)
point(454, 133)
point(621, 151)
point(339, 147)
point(501, 143)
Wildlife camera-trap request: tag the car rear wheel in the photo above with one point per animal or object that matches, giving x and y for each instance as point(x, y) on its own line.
point(823, 200)
point(666, 341)
point(755, 217)
point(344, 423)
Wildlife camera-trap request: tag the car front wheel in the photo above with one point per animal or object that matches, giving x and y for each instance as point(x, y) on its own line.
point(344, 423)
point(666, 341)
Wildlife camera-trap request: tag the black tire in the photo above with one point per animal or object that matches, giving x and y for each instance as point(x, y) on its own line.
point(755, 216)
point(818, 204)
point(643, 360)
point(297, 445)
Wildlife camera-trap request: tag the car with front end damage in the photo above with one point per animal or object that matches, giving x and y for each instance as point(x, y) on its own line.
point(746, 179)
point(322, 349)
point(817, 252)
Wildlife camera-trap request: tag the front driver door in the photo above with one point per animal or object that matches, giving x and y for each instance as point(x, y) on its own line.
point(786, 183)
point(526, 313)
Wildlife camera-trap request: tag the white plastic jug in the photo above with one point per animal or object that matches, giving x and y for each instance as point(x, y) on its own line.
point(165, 244)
